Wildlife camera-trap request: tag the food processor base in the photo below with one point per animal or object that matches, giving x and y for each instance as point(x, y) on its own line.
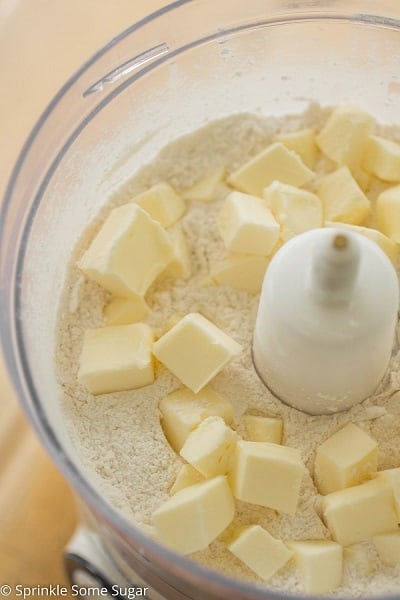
point(90, 567)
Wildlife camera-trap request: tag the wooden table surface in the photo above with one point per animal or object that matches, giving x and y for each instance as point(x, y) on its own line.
point(41, 44)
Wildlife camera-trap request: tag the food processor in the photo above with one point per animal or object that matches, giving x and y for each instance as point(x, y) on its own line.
point(189, 63)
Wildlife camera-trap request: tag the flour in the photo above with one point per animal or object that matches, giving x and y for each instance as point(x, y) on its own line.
point(118, 436)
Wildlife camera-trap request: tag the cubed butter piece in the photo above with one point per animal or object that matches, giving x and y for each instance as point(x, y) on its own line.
point(260, 551)
point(392, 477)
point(195, 350)
point(387, 213)
point(344, 135)
point(180, 266)
point(360, 512)
point(123, 311)
point(303, 143)
point(382, 158)
point(346, 458)
point(209, 448)
point(275, 163)
point(267, 474)
point(205, 189)
point(263, 429)
point(295, 210)
point(242, 272)
point(162, 203)
point(388, 547)
point(342, 198)
point(193, 517)
point(187, 476)
point(363, 178)
point(247, 225)
point(182, 411)
point(389, 247)
point(116, 358)
point(320, 563)
point(128, 253)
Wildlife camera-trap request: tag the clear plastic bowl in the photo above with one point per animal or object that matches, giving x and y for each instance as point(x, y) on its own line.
point(191, 62)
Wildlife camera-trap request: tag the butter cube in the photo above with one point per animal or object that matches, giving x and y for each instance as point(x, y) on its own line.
point(344, 136)
point(182, 411)
point(267, 474)
point(128, 253)
point(295, 210)
point(320, 563)
point(263, 429)
point(389, 247)
point(387, 213)
point(162, 203)
point(382, 158)
point(180, 266)
point(195, 350)
point(209, 448)
point(392, 477)
point(346, 458)
point(242, 272)
point(342, 198)
point(276, 162)
point(247, 225)
point(187, 476)
point(388, 547)
point(123, 311)
point(260, 551)
point(193, 517)
point(303, 143)
point(360, 512)
point(117, 358)
point(205, 189)
point(363, 178)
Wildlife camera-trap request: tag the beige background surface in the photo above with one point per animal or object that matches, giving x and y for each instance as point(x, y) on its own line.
point(42, 42)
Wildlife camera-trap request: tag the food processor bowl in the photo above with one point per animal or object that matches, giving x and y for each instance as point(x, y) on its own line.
point(165, 76)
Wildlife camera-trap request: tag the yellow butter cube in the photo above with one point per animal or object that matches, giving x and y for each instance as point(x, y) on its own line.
point(363, 178)
point(275, 163)
point(205, 189)
point(195, 350)
point(193, 517)
point(382, 158)
point(387, 213)
point(180, 266)
point(260, 551)
point(117, 358)
point(346, 458)
point(209, 448)
point(162, 203)
point(295, 210)
point(115, 259)
point(242, 272)
point(344, 136)
point(388, 547)
point(187, 476)
point(263, 429)
point(342, 198)
point(360, 512)
point(303, 143)
point(389, 247)
point(320, 563)
point(122, 311)
point(267, 474)
point(392, 477)
point(247, 225)
point(182, 411)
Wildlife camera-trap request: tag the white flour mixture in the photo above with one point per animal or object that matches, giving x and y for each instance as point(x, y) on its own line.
point(118, 436)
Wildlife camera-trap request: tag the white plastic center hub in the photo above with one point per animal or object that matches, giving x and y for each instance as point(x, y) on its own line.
point(326, 320)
